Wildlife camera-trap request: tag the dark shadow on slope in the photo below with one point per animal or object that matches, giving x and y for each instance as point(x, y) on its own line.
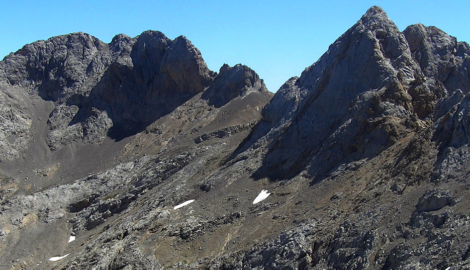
point(131, 105)
point(143, 80)
point(324, 148)
point(163, 75)
point(288, 155)
point(258, 131)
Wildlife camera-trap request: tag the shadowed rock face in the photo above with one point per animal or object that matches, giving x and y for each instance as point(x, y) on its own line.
point(373, 86)
point(114, 89)
point(365, 155)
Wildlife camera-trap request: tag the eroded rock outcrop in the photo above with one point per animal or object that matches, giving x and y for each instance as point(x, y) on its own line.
point(232, 82)
point(124, 85)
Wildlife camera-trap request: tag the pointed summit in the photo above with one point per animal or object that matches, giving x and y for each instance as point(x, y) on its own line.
point(375, 18)
point(366, 73)
point(374, 11)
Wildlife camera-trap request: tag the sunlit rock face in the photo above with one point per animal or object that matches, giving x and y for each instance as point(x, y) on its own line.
point(133, 154)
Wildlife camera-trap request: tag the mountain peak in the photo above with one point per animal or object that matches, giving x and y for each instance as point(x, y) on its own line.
point(232, 82)
point(374, 11)
point(376, 18)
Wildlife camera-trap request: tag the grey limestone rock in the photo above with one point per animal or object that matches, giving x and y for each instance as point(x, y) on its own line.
point(377, 90)
point(365, 155)
point(434, 200)
point(124, 85)
point(440, 56)
point(15, 123)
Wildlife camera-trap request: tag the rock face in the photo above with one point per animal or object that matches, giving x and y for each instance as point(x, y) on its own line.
point(233, 82)
point(114, 89)
point(336, 112)
point(365, 155)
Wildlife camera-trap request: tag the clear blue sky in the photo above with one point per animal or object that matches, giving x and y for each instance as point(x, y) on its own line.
point(278, 39)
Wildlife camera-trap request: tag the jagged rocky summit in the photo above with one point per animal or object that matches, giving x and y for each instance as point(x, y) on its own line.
point(152, 161)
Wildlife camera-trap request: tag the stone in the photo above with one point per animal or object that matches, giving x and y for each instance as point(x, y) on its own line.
point(434, 200)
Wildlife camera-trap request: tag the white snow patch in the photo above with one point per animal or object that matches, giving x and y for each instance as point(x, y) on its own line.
point(53, 259)
point(183, 204)
point(263, 195)
point(72, 238)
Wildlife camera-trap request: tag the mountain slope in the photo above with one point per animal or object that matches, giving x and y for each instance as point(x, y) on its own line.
point(76, 108)
point(378, 119)
point(365, 157)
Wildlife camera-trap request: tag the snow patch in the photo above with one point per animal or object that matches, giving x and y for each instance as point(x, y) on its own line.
point(53, 259)
point(183, 204)
point(72, 238)
point(263, 195)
